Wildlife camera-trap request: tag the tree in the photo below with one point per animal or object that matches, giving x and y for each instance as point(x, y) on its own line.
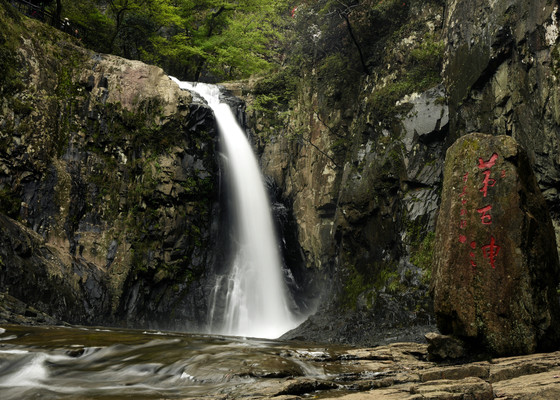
point(224, 39)
point(191, 39)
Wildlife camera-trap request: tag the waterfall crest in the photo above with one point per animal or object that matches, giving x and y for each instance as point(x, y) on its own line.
point(253, 294)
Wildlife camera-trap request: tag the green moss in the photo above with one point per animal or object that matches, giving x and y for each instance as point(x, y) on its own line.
point(470, 146)
point(555, 58)
point(426, 61)
point(384, 100)
point(355, 285)
point(20, 107)
point(10, 78)
point(382, 277)
point(421, 71)
point(423, 255)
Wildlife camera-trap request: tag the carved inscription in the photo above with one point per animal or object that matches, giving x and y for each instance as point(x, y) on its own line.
point(480, 205)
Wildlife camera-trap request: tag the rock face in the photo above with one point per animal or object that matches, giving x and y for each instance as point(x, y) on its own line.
point(64, 288)
point(501, 75)
point(110, 170)
point(496, 266)
point(359, 161)
point(364, 186)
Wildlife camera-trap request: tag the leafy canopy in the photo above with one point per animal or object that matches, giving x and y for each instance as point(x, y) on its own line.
point(191, 39)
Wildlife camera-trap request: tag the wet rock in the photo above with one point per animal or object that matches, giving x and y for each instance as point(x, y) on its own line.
point(302, 387)
point(496, 265)
point(427, 119)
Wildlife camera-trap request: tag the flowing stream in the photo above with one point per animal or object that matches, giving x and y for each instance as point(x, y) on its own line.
point(103, 363)
point(253, 297)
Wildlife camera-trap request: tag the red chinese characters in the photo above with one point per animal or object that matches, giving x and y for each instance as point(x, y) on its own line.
point(485, 217)
point(491, 250)
point(486, 166)
point(472, 255)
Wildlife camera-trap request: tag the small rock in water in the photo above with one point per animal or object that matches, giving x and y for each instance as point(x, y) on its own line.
point(496, 264)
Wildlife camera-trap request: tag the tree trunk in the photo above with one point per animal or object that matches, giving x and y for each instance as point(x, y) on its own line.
point(351, 32)
point(57, 16)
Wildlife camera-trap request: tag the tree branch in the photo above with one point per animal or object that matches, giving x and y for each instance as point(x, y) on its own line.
point(351, 32)
point(329, 128)
point(303, 139)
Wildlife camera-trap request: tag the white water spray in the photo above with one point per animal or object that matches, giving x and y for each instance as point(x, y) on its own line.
point(256, 304)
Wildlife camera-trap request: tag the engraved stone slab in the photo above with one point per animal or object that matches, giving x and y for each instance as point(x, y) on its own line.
point(496, 266)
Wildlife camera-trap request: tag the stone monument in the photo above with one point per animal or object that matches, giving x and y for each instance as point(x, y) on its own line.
point(496, 268)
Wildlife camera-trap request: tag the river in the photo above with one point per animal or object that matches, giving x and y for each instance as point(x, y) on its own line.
point(56, 362)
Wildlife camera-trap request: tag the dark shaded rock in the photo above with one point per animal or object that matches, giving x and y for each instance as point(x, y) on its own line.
point(444, 347)
point(496, 265)
point(15, 311)
point(50, 285)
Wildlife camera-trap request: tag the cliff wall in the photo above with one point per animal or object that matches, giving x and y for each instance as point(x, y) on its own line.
point(359, 154)
point(358, 157)
point(108, 174)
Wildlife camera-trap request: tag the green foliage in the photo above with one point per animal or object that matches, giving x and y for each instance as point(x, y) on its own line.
point(94, 25)
point(211, 39)
point(276, 92)
point(389, 279)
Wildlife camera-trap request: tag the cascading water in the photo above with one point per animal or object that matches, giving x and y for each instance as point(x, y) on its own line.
point(256, 299)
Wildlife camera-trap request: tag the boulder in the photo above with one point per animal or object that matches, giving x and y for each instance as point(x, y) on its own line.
point(444, 347)
point(495, 258)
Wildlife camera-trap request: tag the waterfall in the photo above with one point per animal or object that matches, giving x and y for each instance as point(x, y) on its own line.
point(253, 294)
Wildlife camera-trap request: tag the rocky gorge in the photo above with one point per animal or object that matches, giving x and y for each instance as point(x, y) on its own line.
point(110, 182)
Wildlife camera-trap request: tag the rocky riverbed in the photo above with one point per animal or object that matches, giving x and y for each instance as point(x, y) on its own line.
point(69, 362)
point(402, 371)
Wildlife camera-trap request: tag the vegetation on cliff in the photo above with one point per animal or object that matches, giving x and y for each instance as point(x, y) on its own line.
point(362, 182)
point(193, 40)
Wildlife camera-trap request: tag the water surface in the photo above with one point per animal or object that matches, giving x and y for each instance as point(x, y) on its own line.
point(101, 363)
